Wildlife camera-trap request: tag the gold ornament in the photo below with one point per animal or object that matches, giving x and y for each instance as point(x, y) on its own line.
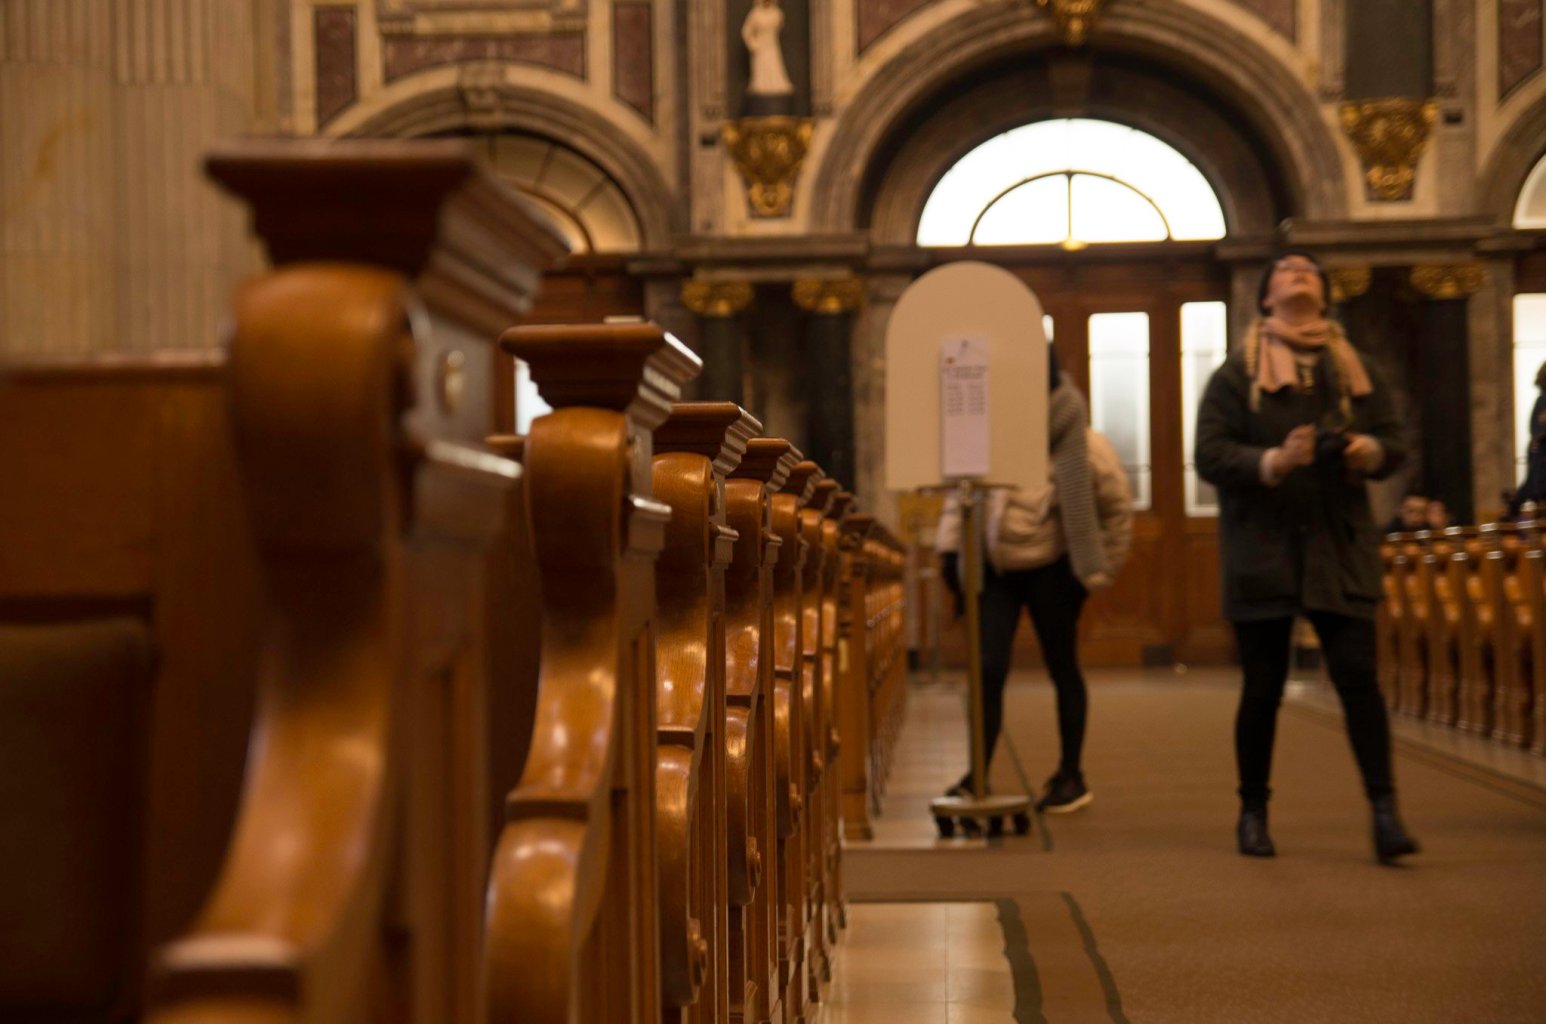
point(716, 298)
point(1348, 282)
point(838, 295)
point(1389, 135)
point(768, 152)
point(1076, 18)
point(1448, 281)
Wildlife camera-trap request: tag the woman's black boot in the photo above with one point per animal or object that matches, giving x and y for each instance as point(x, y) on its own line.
point(1390, 837)
point(1251, 832)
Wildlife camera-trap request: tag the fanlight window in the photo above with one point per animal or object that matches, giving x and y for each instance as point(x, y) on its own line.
point(579, 197)
point(1071, 182)
point(1530, 212)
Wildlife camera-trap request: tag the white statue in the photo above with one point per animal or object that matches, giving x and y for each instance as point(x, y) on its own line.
point(760, 33)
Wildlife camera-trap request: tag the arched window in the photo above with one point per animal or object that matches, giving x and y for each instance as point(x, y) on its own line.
point(1071, 182)
point(1530, 210)
point(580, 198)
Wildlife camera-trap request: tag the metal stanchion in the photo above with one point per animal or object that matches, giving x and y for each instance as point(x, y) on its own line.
point(972, 812)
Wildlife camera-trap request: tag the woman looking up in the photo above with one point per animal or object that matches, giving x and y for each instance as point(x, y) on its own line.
point(1289, 429)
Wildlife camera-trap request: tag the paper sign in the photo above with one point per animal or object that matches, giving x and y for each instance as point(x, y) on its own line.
point(963, 407)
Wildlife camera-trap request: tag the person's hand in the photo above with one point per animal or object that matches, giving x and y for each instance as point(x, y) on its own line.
point(1297, 449)
point(1097, 581)
point(1363, 453)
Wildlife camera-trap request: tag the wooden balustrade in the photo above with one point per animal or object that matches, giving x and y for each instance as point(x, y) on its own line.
point(563, 727)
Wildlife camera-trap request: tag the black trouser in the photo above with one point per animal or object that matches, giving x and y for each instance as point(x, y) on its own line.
point(1349, 649)
point(1054, 598)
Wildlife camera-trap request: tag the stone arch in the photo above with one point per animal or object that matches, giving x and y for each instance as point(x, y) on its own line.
point(1247, 88)
point(438, 101)
point(1512, 160)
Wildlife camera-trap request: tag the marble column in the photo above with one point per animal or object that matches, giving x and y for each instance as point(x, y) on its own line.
point(827, 360)
point(721, 337)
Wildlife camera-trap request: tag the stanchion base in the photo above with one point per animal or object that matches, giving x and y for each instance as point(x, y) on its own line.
point(972, 815)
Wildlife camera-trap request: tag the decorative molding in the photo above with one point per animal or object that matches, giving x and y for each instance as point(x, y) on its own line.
point(633, 65)
point(1449, 280)
point(1076, 18)
point(716, 298)
point(1519, 43)
point(1389, 135)
point(768, 152)
point(333, 40)
point(1348, 282)
point(562, 51)
point(829, 295)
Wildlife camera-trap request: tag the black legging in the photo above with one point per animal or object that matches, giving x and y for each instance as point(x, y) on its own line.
point(1054, 598)
point(1348, 644)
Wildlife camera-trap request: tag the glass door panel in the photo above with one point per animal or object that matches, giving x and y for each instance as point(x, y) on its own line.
point(1204, 343)
point(1119, 394)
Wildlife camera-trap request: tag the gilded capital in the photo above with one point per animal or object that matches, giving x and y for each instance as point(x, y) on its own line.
point(824, 295)
point(1348, 282)
point(716, 298)
point(768, 152)
point(1075, 18)
point(1389, 135)
point(1448, 281)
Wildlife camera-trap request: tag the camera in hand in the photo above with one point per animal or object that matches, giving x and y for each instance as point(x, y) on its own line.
point(1329, 446)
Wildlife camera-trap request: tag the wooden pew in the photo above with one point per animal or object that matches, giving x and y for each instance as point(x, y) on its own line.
point(832, 868)
point(1389, 620)
point(1473, 632)
point(755, 995)
point(360, 370)
point(583, 819)
point(129, 627)
point(1442, 620)
point(888, 672)
point(853, 669)
point(1415, 646)
point(695, 450)
point(816, 704)
point(1509, 635)
point(789, 742)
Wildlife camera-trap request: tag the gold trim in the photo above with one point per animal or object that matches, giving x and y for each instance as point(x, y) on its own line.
point(768, 152)
point(1348, 282)
point(1389, 135)
point(716, 298)
point(1076, 18)
point(1449, 281)
point(829, 295)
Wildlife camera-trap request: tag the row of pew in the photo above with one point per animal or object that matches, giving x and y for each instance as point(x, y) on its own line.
point(320, 703)
point(1462, 630)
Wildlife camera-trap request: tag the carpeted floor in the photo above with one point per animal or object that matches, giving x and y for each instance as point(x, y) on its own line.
point(1139, 909)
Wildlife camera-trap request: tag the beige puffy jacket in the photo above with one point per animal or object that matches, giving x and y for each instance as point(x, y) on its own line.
point(1026, 529)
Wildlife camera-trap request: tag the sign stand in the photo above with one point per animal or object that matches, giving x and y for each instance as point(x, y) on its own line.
point(966, 387)
point(971, 811)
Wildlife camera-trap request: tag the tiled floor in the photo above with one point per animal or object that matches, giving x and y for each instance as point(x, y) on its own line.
point(920, 963)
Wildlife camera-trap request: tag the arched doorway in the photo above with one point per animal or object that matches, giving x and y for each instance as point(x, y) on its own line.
point(1139, 201)
point(1114, 230)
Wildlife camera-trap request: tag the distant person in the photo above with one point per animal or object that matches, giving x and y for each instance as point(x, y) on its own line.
point(1047, 553)
point(1288, 430)
point(1436, 515)
point(1533, 487)
point(1411, 516)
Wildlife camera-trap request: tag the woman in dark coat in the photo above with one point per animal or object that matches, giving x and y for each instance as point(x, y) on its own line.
point(1289, 429)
